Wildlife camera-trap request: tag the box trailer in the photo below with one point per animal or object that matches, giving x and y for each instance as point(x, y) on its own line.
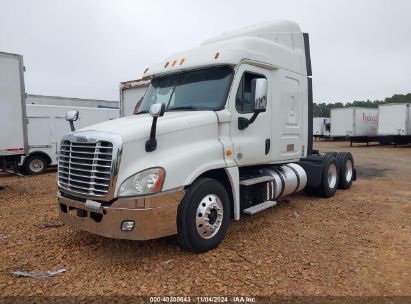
point(71, 102)
point(394, 119)
point(394, 125)
point(131, 93)
point(321, 127)
point(13, 131)
point(354, 121)
point(46, 126)
point(223, 129)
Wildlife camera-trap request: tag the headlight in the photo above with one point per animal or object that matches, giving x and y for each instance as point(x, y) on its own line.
point(145, 182)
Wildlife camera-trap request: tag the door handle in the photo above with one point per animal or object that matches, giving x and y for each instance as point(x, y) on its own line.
point(267, 146)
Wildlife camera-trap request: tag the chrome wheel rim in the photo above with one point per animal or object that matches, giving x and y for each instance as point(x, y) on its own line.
point(348, 170)
point(209, 216)
point(36, 165)
point(332, 176)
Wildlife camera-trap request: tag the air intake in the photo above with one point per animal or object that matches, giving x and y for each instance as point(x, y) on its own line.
point(86, 167)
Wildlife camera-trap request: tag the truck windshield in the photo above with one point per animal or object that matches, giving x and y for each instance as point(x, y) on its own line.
point(204, 89)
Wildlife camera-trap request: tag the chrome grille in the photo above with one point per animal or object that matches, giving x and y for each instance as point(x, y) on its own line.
point(86, 167)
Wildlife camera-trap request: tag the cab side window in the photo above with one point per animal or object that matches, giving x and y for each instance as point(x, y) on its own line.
point(243, 102)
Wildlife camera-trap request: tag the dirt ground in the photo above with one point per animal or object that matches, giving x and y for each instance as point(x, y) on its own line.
point(356, 243)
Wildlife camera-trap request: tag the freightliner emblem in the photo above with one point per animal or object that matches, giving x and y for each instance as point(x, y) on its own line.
point(81, 139)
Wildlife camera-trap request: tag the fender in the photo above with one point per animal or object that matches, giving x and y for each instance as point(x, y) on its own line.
point(234, 177)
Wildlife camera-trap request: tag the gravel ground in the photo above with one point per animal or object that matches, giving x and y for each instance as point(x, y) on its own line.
point(356, 243)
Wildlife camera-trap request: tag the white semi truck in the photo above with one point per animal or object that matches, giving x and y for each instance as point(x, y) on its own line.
point(46, 125)
point(224, 129)
point(12, 101)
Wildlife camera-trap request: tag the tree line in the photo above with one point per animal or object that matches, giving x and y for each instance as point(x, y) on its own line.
point(323, 109)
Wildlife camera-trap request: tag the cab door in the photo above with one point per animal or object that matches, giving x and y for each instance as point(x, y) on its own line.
point(251, 145)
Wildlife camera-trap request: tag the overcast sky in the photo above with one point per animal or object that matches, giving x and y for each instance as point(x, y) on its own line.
point(84, 48)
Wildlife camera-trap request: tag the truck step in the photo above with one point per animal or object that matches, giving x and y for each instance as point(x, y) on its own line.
point(256, 180)
point(260, 207)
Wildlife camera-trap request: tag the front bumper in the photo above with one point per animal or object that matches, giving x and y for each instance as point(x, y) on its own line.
point(154, 216)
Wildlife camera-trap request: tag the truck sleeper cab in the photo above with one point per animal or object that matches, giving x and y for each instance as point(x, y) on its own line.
point(223, 129)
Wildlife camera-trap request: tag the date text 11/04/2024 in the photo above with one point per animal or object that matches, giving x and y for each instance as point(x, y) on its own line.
point(203, 299)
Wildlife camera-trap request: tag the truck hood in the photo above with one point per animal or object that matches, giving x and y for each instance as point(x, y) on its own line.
point(132, 128)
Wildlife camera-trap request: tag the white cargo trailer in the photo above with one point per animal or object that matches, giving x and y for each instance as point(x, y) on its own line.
point(71, 102)
point(321, 126)
point(354, 121)
point(131, 92)
point(13, 132)
point(46, 126)
point(394, 119)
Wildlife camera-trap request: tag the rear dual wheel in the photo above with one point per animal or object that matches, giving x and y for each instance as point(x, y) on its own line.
point(347, 171)
point(338, 172)
point(330, 177)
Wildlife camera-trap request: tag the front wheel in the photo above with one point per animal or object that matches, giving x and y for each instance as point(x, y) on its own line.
point(203, 216)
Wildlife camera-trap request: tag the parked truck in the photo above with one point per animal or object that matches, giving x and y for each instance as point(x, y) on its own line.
point(131, 95)
point(46, 126)
point(224, 129)
point(12, 101)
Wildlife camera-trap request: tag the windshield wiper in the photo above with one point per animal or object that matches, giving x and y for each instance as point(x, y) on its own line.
point(185, 108)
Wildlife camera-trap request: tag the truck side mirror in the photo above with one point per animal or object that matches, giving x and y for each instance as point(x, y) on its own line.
point(259, 94)
point(259, 88)
point(72, 116)
point(156, 110)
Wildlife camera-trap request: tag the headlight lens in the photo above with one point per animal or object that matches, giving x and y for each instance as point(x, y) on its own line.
point(145, 182)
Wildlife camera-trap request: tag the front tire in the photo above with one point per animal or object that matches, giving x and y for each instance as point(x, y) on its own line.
point(35, 164)
point(203, 216)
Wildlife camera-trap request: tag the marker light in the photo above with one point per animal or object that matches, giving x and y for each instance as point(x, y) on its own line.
point(216, 55)
point(167, 63)
point(174, 62)
point(182, 61)
point(145, 71)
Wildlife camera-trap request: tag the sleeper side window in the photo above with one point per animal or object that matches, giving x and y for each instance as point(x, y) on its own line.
point(243, 102)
